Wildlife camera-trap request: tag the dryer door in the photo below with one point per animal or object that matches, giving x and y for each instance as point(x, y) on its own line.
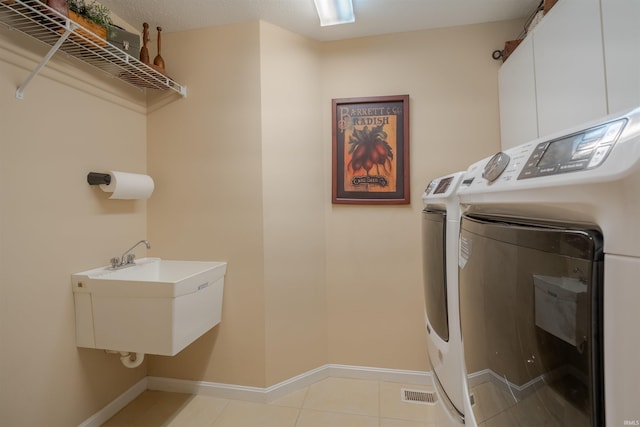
point(434, 270)
point(530, 310)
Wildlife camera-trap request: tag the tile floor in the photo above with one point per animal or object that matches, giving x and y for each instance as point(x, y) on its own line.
point(332, 402)
point(495, 407)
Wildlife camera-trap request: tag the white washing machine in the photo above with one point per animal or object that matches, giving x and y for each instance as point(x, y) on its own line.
point(549, 269)
point(440, 229)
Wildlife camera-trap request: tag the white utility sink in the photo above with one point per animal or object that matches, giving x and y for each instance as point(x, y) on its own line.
point(156, 306)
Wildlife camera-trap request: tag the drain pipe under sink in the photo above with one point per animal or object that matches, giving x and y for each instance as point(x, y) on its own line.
point(129, 360)
point(125, 358)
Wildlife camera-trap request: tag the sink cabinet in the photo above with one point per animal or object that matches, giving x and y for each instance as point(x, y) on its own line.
point(155, 307)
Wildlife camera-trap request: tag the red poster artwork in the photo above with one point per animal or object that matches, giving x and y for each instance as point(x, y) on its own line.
point(371, 150)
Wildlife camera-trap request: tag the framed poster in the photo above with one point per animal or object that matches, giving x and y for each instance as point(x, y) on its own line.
point(371, 150)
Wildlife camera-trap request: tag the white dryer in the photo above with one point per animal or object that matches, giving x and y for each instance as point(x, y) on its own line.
point(549, 264)
point(440, 229)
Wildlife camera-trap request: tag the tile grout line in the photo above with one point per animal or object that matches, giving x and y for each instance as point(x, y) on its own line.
point(306, 393)
point(379, 403)
point(215, 420)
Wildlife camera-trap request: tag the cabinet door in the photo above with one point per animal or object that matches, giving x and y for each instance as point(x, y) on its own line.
point(517, 91)
point(621, 34)
point(569, 66)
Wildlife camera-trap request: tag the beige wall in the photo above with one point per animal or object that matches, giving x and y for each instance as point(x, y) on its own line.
point(206, 153)
point(245, 142)
point(293, 204)
point(52, 224)
point(374, 276)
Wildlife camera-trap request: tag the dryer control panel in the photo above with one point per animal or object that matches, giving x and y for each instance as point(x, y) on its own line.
point(579, 151)
point(600, 152)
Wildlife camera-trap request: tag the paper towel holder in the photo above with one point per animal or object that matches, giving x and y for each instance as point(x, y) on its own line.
point(122, 185)
point(96, 178)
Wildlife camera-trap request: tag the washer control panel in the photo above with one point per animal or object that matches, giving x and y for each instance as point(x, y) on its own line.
point(576, 152)
point(443, 187)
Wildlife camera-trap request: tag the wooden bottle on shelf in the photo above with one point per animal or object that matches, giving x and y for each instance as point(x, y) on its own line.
point(144, 51)
point(158, 61)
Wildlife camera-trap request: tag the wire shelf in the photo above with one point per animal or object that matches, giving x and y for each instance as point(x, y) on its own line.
point(35, 19)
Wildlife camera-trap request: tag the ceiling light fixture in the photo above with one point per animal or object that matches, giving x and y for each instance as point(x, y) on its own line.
point(333, 12)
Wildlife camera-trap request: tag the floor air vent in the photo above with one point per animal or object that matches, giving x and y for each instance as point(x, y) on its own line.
point(419, 396)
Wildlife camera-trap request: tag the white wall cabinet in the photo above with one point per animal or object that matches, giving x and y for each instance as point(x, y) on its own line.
point(569, 66)
point(517, 90)
point(583, 61)
point(621, 35)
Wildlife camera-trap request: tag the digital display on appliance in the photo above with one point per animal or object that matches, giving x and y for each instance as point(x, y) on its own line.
point(559, 151)
point(443, 185)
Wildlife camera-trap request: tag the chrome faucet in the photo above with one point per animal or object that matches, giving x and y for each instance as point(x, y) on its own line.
point(127, 259)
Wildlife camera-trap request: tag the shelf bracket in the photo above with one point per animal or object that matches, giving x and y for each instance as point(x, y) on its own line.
point(47, 57)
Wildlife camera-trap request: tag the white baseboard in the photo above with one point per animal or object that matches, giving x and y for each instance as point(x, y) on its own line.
point(381, 374)
point(103, 415)
point(269, 394)
point(257, 394)
point(204, 388)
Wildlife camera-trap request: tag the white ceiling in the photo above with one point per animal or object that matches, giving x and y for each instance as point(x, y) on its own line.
point(373, 17)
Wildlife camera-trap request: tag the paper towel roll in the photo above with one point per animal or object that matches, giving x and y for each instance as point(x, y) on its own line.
point(126, 185)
